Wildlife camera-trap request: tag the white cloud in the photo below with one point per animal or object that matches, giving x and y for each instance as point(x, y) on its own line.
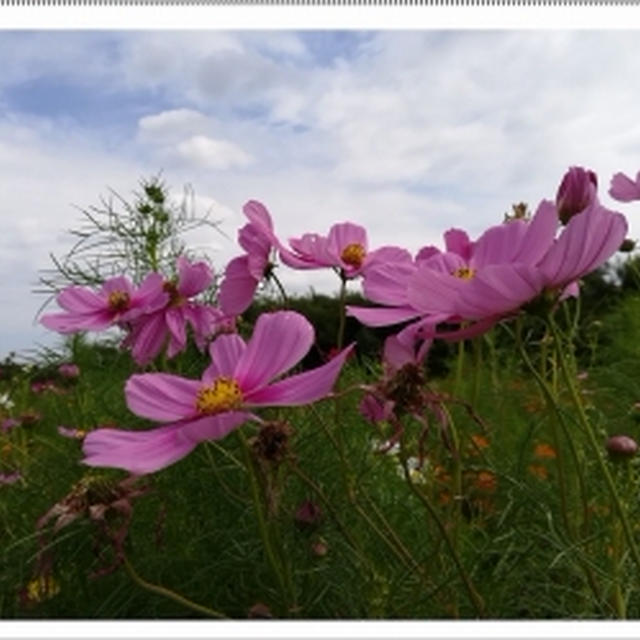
point(208, 153)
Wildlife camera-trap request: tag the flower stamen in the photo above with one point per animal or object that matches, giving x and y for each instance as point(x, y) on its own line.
point(464, 273)
point(353, 255)
point(119, 301)
point(223, 394)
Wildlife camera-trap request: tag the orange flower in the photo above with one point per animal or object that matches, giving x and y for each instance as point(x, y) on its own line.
point(544, 450)
point(485, 481)
point(481, 442)
point(539, 471)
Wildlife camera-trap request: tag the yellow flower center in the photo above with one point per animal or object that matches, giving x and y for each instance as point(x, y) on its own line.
point(119, 301)
point(464, 273)
point(175, 299)
point(223, 394)
point(353, 255)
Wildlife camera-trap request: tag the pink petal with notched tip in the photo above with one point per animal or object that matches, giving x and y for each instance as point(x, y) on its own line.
point(279, 341)
point(499, 244)
point(457, 241)
point(624, 189)
point(150, 295)
point(498, 289)
point(138, 452)
point(80, 300)
point(225, 352)
point(214, 427)
point(302, 388)
point(309, 252)
point(147, 337)
point(175, 321)
point(238, 287)
point(539, 235)
point(387, 283)
point(382, 317)
point(259, 216)
point(431, 291)
point(396, 354)
point(119, 283)
point(589, 239)
point(193, 278)
point(70, 323)
point(162, 396)
point(342, 235)
point(384, 256)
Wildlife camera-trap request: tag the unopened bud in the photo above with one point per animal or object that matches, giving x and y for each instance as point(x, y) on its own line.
point(621, 447)
point(308, 514)
point(627, 246)
point(576, 192)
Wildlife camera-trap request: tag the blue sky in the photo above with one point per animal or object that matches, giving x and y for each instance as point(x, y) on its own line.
point(405, 132)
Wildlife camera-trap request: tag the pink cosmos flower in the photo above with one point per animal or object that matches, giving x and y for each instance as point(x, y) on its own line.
point(240, 378)
point(244, 273)
point(69, 370)
point(148, 333)
point(509, 265)
point(624, 189)
point(118, 300)
point(9, 423)
point(345, 248)
point(577, 190)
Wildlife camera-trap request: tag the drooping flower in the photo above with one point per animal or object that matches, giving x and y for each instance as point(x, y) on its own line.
point(624, 189)
point(577, 190)
point(149, 333)
point(239, 379)
point(244, 273)
point(118, 300)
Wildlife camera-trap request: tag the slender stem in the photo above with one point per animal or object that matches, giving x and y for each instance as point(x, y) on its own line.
point(168, 593)
point(343, 317)
point(591, 437)
point(474, 596)
point(559, 420)
point(459, 368)
point(283, 293)
point(273, 560)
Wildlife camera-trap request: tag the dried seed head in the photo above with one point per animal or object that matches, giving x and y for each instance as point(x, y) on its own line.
point(272, 442)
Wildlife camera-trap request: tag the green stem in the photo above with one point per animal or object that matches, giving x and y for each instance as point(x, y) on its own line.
point(593, 442)
point(286, 588)
point(474, 596)
point(343, 317)
point(459, 368)
point(168, 593)
point(283, 293)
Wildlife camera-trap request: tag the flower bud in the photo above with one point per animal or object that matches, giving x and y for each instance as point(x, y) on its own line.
point(308, 514)
point(621, 447)
point(576, 192)
point(627, 246)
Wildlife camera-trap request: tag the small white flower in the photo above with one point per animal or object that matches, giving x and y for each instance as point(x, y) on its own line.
point(6, 401)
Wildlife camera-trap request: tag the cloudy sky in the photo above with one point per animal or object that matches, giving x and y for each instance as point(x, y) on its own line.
point(405, 132)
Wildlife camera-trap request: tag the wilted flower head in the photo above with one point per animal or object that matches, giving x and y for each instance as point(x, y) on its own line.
point(577, 190)
point(272, 442)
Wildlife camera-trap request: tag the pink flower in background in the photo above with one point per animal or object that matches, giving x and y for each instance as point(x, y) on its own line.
point(118, 300)
point(577, 190)
point(148, 333)
point(69, 370)
point(10, 478)
point(239, 379)
point(345, 248)
point(9, 423)
point(244, 273)
point(624, 189)
point(76, 434)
